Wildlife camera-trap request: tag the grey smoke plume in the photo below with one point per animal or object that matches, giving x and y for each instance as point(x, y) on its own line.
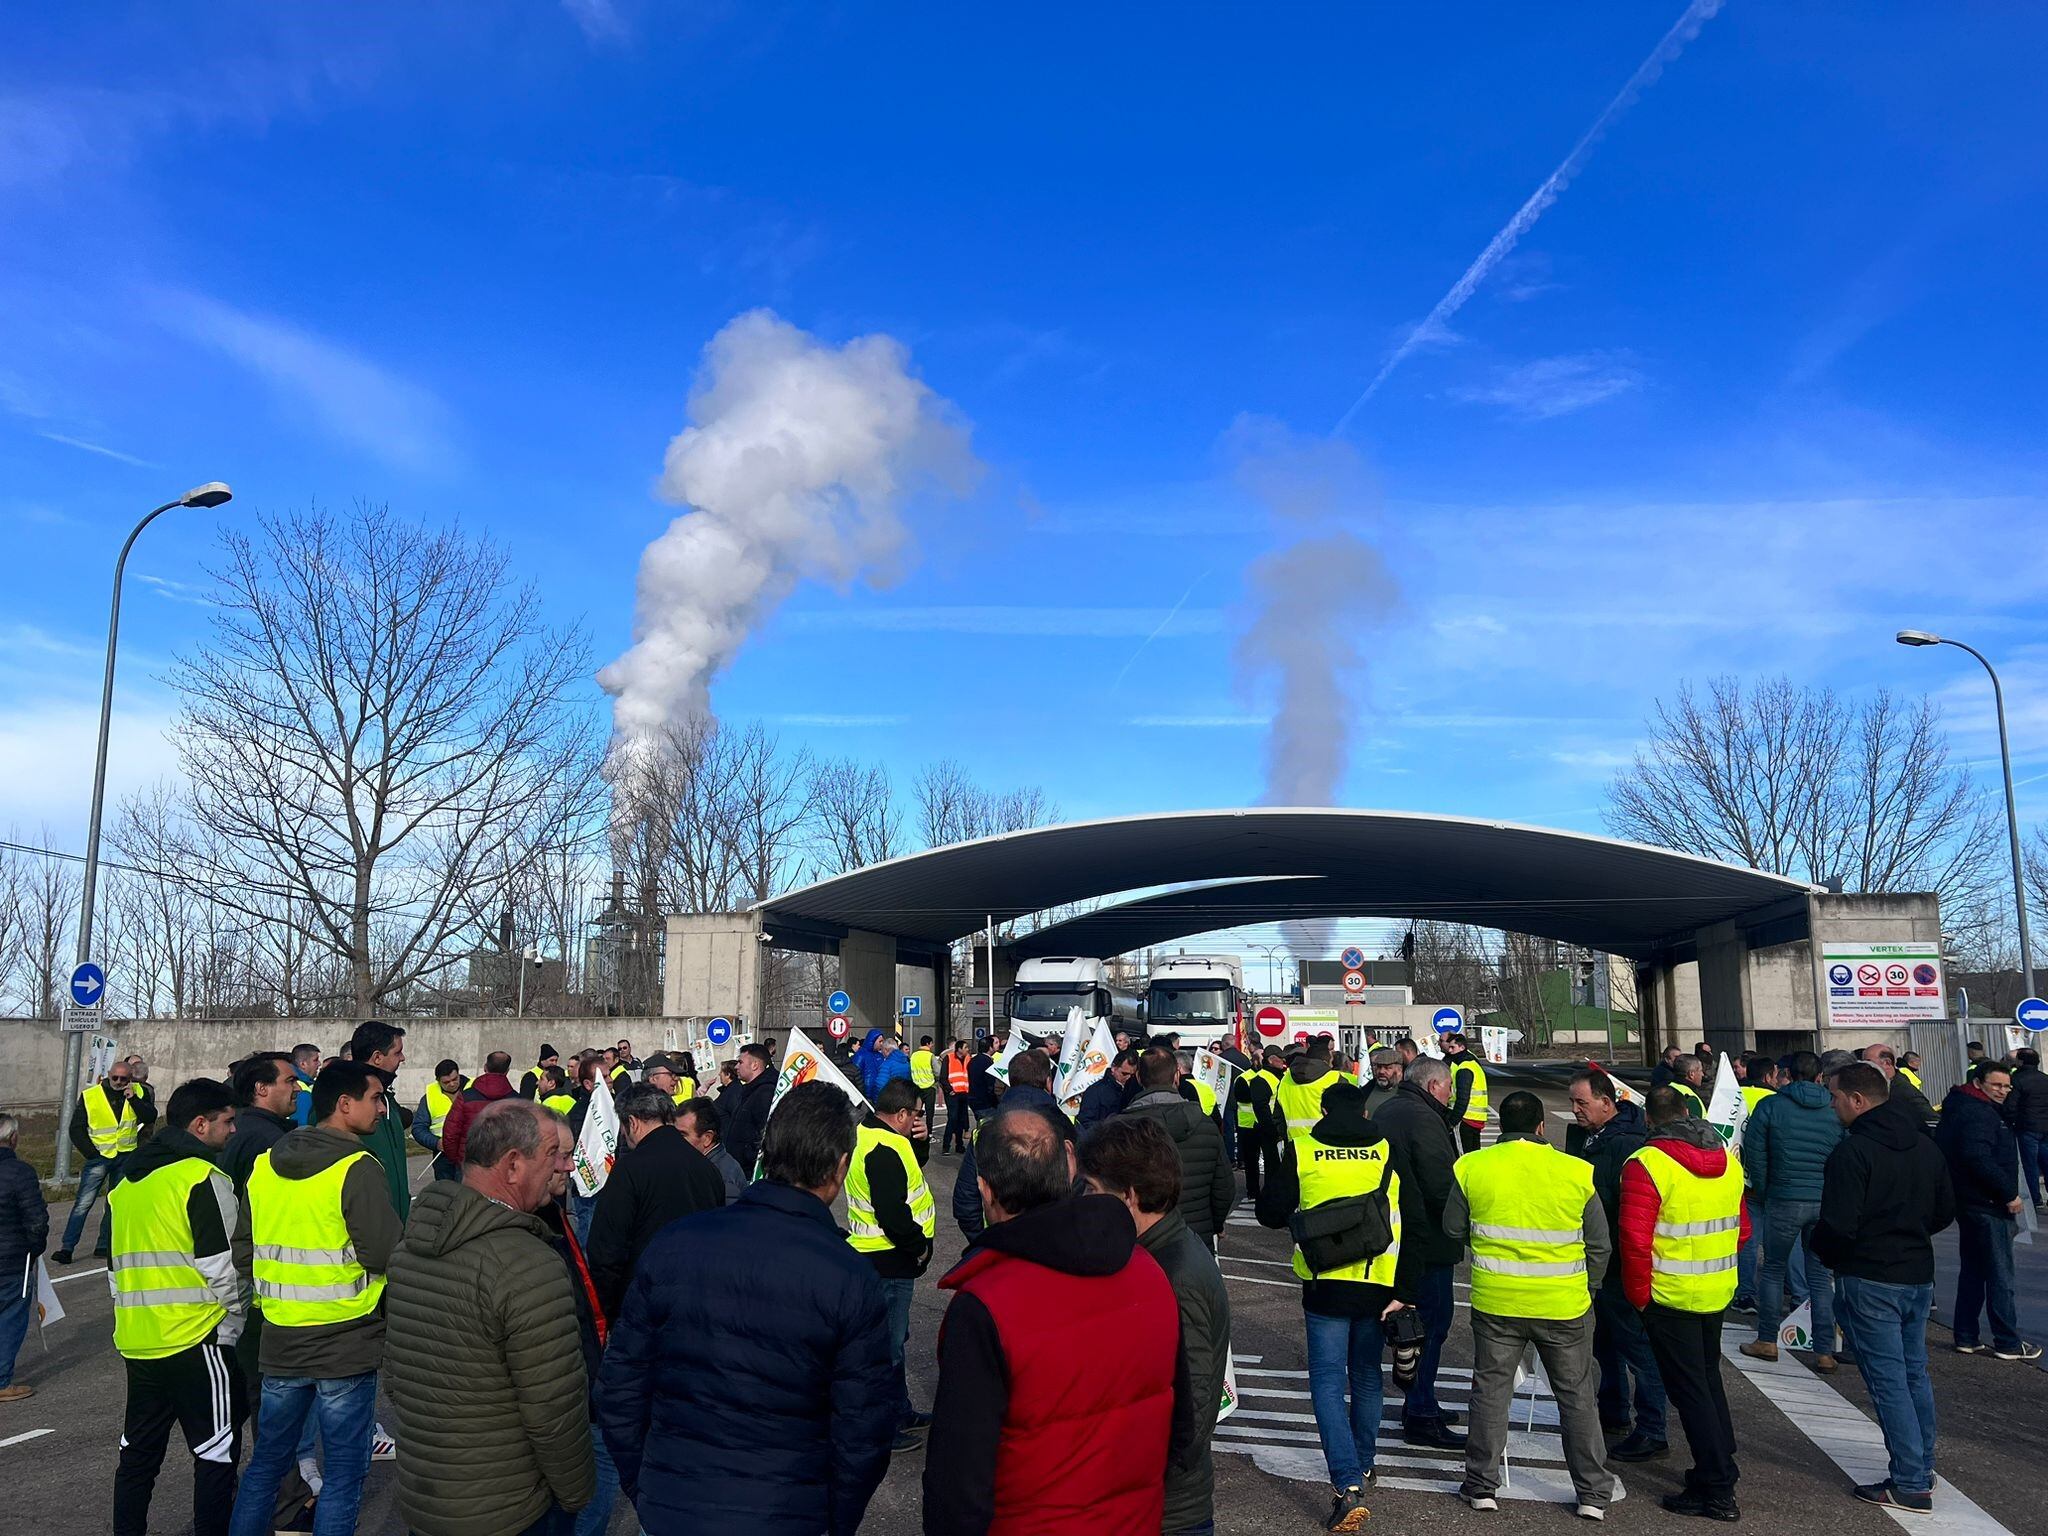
point(1314, 602)
point(795, 467)
point(1683, 31)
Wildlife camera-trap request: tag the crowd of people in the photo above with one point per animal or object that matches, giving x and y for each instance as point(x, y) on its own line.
point(275, 1266)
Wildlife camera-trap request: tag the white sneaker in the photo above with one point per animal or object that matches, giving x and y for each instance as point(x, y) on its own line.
point(309, 1469)
point(1592, 1512)
point(1480, 1501)
point(382, 1446)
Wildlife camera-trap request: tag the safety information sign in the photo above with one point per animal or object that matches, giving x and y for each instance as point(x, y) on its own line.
point(1882, 985)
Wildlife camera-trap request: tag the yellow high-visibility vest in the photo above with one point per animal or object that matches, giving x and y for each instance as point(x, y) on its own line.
point(1247, 1117)
point(305, 1268)
point(1335, 1173)
point(1912, 1077)
point(686, 1088)
point(1751, 1097)
point(560, 1103)
point(1699, 1228)
point(1204, 1095)
point(1684, 1090)
point(161, 1300)
point(437, 1108)
point(1301, 1104)
point(1475, 1107)
point(1528, 1212)
point(865, 1233)
point(922, 1071)
point(111, 1137)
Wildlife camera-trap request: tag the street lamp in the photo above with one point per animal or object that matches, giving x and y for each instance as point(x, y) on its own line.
point(211, 494)
point(1918, 637)
point(1271, 952)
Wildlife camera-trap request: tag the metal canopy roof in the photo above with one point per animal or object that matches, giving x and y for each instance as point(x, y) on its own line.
point(1619, 897)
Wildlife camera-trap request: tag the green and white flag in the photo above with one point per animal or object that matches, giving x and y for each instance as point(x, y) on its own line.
point(1727, 1110)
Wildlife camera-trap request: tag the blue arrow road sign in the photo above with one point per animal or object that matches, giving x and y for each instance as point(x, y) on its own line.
point(1447, 1021)
point(2032, 1014)
point(838, 1002)
point(718, 1031)
point(913, 1007)
point(88, 985)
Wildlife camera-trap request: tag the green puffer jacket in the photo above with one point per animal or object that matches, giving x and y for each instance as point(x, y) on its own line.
point(485, 1367)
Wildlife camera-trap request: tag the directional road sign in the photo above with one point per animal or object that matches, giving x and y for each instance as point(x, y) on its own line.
point(1270, 1021)
point(913, 1007)
point(718, 1031)
point(1354, 982)
point(1354, 958)
point(1447, 1021)
point(2031, 1014)
point(838, 1002)
point(88, 985)
point(837, 1025)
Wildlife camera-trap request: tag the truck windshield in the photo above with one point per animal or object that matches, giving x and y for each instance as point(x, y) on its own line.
point(1189, 1000)
point(1050, 1007)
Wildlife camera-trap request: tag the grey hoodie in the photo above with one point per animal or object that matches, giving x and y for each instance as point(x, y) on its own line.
point(329, 1351)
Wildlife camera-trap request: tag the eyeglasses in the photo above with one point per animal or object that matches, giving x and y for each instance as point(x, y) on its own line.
point(119, 1080)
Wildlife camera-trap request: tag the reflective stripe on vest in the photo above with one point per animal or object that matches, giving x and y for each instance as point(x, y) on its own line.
point(866, 1233)
point(1333, 1173)
point(437, 1107)
point(110, 1137)
point(1247, 1117)
point(1205, 1096)
point(1301, 1104)
point(1699, 1228)
point(1475, 1107)
point(1528, 1208)
point(161, 1300)
point(956, 1072)
point(306, 1270)
point(921, 1073)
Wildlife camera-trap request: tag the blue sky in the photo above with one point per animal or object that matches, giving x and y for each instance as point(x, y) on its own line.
point(1760, 387)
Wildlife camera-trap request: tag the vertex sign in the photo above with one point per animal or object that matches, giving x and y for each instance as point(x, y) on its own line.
point(1882, 986)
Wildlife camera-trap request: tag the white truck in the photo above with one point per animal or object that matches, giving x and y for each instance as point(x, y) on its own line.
point(1199, 997)
point(1047, 989)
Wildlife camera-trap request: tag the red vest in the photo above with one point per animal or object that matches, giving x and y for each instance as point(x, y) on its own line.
point(1084, 1436)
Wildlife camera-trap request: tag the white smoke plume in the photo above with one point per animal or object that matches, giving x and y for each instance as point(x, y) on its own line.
point(1434, 325)
point(795, 467)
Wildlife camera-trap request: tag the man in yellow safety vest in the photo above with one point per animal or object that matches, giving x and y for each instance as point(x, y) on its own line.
point(1259, 1132)
point(105, 1132)
point(1468, 1091)
point(924, 1077)
point(1309, 1076)
point(892, 1221)
point(1540, 1246)
point(178, 1310)
point(317, 1232)
point(1688, 1080)
point(431, 1118)
point(1682, 1219)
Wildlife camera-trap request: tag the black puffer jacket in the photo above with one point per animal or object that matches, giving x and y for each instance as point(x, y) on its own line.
point(1608, 1150)
point(1426, 1138)
point(24, 1224)
point(1208, 1184)
point(2028, 1105)
point(1983, 1158)
point(485, 1366)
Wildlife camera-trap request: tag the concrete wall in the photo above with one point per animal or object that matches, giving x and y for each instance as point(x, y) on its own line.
point(1907, 917)
point(1726, 1019)
point(711, 965)
point(867, 974)
point(32, 1054)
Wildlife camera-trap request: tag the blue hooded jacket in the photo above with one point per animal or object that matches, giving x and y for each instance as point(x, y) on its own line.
point(1786, 1142)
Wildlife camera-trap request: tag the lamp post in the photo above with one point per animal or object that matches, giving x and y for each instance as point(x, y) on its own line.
point(211, 494)
point(1271, 952)
point(1918, 637)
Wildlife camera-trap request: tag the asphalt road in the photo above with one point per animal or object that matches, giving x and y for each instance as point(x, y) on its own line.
point(57, 1449)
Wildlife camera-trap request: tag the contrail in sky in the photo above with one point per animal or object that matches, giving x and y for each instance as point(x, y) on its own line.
point(1687, 27)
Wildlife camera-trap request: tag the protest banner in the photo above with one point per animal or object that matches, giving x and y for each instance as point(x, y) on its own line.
point(803, 1062)
point(1089, 1070)
point(1727, 1110)
point(1073, 1046)
point(597, 1144)
point(1493, 1042)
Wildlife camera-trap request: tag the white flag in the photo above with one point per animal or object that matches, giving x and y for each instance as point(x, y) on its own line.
point(597, 1145)
point(1796, 1332)
point(48, 1309)
point(803, 1062)
point(1727, 1110)
point(1212, 1069)
point(1013, 1047)
point(1493, 1043)
point(1623, 1094)
point(1089, 1070)
point(1073, 1046)
point(1229, 1404)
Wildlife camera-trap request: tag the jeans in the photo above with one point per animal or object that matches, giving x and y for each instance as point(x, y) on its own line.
point(96, 1179)
point(1984, 1281)
point(595, 1516)
point(347, 1410)
point(1230, 1135)
point(1789, 1229)
point(2031, 1178)
point(14, 1316)
point(959, 1123)
point(1438, 1305)
point(1623, 1350)
point(897, 1294)
point(1887, 1327)
point(1345, 1351)
point(556, 1522)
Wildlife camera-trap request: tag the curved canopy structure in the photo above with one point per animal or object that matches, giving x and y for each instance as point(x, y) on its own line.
point(1281, 864)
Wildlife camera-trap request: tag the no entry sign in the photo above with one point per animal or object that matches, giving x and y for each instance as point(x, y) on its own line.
point(1270, 1022)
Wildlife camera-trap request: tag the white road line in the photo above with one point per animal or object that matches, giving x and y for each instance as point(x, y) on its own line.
point(1292, 1285)
point(83, 1274)
point(1851, 1441)
point(1274, 1263)
point(34, 1434)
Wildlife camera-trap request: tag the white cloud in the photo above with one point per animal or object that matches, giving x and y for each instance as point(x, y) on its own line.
point(599, 19)
point(105, 452)
point(1554, 386)
point(46, 757)
point(356, 400)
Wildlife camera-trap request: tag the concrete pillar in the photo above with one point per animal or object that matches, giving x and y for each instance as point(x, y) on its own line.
point(1726, 1022)
point(1906, 917)
point(711, 965)
point(867, 975)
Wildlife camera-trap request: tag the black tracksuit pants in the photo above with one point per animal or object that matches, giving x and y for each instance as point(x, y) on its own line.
point(1259, 1151)
point(200, 1390)
point(1688, 1350)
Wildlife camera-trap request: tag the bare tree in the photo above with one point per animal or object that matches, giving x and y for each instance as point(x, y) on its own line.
point(49, 887)
point(854, 818)
point(1450, 964)
point(1801, 783)
point(952, 808)
point(378, 722)
point(13, 873)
